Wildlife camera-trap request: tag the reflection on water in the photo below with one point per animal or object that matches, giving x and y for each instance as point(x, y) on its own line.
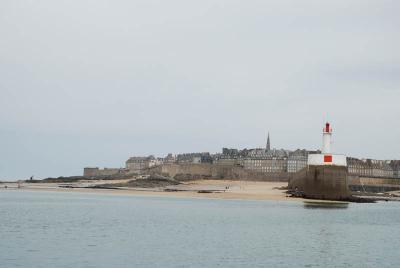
point(325, 205)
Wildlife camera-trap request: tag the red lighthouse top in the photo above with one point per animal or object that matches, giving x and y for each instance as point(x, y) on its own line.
point(327, 128)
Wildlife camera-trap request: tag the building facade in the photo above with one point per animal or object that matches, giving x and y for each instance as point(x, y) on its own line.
point(265, 165)
point(297, 160)
point(137, 164)
point(196, 158)
point(395, 165)
point(372, 168)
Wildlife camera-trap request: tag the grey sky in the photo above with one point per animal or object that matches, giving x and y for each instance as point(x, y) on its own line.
point(90, 83)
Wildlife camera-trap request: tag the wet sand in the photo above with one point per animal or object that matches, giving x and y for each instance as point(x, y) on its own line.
point(216, 189)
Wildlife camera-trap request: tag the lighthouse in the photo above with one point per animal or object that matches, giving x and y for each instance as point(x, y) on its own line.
point(326, 139)
point(326, 157)
point(326, 175)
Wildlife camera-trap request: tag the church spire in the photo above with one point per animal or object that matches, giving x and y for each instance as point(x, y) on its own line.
point(268, 144)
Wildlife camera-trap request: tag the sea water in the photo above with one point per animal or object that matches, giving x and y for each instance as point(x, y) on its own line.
point(44, 229)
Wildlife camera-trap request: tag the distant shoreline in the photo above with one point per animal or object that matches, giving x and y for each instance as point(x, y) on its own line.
point(211, 189)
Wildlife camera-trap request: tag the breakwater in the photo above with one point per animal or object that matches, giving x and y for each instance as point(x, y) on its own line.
point(321, 182)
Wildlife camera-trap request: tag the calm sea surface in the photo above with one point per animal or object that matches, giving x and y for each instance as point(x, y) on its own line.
point(42, 229)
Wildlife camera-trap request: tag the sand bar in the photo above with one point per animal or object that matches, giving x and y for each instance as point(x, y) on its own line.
point(216, 189)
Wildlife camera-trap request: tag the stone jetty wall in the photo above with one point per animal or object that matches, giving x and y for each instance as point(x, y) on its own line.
point(322, 182)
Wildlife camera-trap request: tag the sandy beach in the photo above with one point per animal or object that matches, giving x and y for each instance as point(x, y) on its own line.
point(219, 189)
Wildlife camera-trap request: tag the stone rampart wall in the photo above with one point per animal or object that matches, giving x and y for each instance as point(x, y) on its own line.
point(211, 171)
point(92, 172)
point(356, 180)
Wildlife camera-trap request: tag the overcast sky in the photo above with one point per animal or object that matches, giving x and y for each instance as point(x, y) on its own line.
point(90, 83)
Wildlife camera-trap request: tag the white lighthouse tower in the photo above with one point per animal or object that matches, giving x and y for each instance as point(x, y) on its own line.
point(326, 157)
point(326, 139)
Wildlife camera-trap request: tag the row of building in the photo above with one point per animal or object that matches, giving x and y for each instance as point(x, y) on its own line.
point(374, 168)
point(264, 160)
point(272, 161)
